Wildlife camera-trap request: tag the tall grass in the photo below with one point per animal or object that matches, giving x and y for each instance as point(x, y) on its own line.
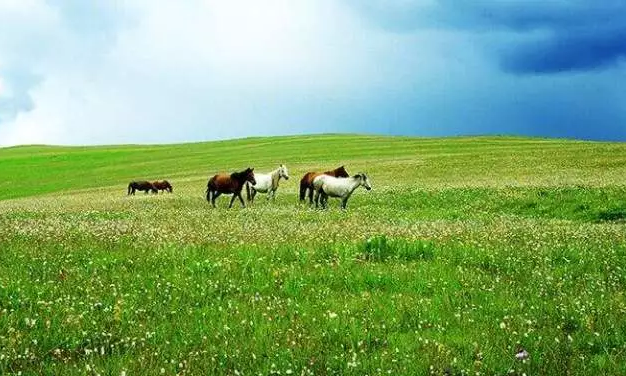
point(466, 253)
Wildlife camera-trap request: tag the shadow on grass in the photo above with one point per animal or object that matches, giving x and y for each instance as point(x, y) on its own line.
point(381, 249)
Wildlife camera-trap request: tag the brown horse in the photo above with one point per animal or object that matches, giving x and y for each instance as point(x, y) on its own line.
point(142, 185)
point(163, 185)
point(229, 184)
point(307, 181)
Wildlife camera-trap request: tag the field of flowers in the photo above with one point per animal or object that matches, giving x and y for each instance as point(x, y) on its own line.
point(469, 256)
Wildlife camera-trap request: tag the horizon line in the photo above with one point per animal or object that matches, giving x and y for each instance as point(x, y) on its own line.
point(324, 134)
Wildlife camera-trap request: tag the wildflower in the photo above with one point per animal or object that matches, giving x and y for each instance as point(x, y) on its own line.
point(522, 355)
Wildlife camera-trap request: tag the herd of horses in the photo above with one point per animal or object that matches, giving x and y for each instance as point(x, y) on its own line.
point(146, 186)
point(319, 186)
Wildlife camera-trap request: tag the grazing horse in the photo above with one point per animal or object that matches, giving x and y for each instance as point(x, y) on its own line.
point(229, 184)
point(163, 185)
point(326, 185)
point(142, 185)
point(306, 183)
point(267, 183)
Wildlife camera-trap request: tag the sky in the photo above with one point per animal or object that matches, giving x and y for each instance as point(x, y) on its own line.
point(75, 72)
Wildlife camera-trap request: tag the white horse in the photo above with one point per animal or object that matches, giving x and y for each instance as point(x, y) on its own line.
point(267, 183)
point(325, 185)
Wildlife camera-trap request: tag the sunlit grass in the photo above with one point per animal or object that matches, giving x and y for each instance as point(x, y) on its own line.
point(466, 252)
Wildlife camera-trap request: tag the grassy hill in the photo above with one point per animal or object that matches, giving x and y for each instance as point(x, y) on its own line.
point(478, 161)
point(466, 251)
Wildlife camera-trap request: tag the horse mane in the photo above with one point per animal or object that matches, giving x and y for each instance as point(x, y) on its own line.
point(275, 178)
point(236, 175)
point(240, 175)
point(338, 169)
point(338, 172)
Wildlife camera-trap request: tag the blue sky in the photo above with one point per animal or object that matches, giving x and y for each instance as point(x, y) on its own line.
point(143, 71)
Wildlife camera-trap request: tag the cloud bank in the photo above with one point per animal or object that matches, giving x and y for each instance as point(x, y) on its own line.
point(74, 72)
point(549, 37)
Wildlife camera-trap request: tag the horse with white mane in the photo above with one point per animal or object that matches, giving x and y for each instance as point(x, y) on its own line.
point(267, 183)
point(343, 188)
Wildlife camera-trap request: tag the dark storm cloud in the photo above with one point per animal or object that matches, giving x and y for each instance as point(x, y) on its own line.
point(534, 37)
point(569, 51)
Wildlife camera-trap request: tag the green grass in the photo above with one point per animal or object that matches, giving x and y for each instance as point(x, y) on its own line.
point(466, 250)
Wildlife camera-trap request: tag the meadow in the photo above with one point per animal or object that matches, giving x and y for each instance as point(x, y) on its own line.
point(467, 252)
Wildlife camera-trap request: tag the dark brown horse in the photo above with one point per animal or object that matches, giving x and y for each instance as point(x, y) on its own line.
point(163, 185)
point(229, 184)
point(142, 185)
point(307, 181)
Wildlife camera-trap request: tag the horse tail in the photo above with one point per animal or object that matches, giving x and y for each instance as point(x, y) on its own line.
point(303, 187)
point(208, 189)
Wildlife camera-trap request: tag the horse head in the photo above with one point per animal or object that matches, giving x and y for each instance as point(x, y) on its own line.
point(364, 180)
point(282, 172)
point(249, 175)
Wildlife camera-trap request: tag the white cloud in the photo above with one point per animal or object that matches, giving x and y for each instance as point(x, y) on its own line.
point(184, 66)
point(197, 70)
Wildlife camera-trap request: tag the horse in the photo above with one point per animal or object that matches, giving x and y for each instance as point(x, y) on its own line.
point(306, 183)
point(343, 188)
point(142, 185)
point(267, 183)
point(163, 186)
point(229, 184)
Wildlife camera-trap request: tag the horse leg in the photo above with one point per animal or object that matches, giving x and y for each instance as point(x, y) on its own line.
point(324, 200)
point(344, 203)
point(215, 195)
point(232, 200)
point(317, 198)
point(253, 194)
point(310, 196)
point(243, 204)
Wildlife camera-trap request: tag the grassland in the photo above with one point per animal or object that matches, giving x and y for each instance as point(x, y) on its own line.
point(466, 251)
